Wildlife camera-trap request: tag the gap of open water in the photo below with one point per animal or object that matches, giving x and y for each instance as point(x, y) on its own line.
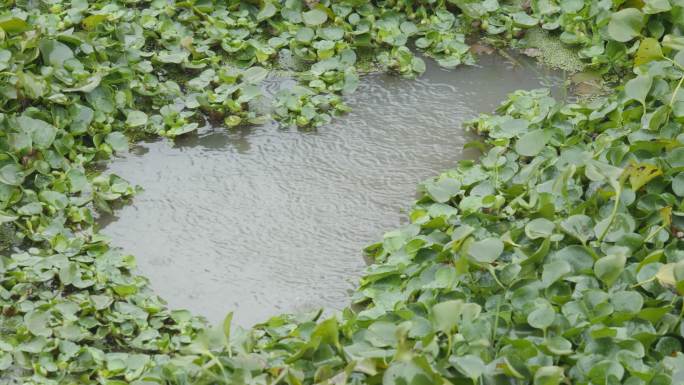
point(262, 220)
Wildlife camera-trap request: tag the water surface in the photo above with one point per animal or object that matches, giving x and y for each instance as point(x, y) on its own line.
point(262, 221)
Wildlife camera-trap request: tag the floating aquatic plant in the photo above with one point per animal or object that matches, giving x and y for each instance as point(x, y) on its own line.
point(555, 258)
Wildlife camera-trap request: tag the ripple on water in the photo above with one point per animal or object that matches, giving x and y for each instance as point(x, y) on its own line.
point(265, 220)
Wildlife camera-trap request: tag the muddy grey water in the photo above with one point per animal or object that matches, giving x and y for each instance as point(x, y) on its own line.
point(263, 221)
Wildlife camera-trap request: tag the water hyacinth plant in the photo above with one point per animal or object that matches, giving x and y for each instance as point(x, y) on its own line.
point(555, 258)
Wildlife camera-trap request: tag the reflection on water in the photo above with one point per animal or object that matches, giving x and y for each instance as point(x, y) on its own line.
point(264, 220)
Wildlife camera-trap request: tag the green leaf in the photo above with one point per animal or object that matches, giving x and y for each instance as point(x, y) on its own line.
point(136, 118)
point(11, 174)
point(542, 316)
point(227, 326)
point(37, 323)
point(414, 371)
point(625, 25)
point(553, 271)
point(625, 301)
point(33, 208)
point(268, 11)
point(532, 143)
point(539, 228)
point(315, 17)
point(254, 74)
point(382, 334)
point(5, 360)
point(559, 346)
point(675, 157)
point(332, 33)
point(656, 6)
point(673, 42)
point(472, 9)
point(248, 93)
point(606, 372)
point(655, 119)
point(118, 141)
point(55, 53)
point(579, 226)
point(470, 365)
point(638, 88)
point(443, 190)
point(19, 141)
point(305, 35)
point(487, 250)
point(68, 273)
point(678, 184)
point(42, 133)
point(101, 302)
point(522, 19)
point(55, 199)
point(571, 6)
point(609, 268)
point(447, 314)
point(172, 57)
point(548, 375)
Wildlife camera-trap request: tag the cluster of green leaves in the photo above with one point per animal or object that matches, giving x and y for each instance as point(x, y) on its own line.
point(610, 35)
point(555, 258)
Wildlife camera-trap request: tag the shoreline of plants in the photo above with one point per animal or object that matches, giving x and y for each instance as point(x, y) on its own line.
point(556, 258)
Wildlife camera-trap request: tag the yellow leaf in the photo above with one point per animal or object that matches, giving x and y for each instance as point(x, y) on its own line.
point(649, 50)
point(633, 4)
point(641, 174)
point(90, 22)
point(666, 215)
point(671, 276)
point(13, 25)
point(666, 275)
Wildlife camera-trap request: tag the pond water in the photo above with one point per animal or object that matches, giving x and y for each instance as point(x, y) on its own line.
point(262, 221)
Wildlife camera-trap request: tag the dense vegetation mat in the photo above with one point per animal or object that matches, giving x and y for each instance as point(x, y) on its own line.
point(556, 258)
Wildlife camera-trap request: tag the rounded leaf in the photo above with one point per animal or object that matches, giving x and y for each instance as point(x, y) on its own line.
point(315, 17)
point(559, 345)
point(11, 174)
point(532, 143)
point(579, 226)
point(548, 375)
point(486, 250)
point(539, 228)
point(42, 133)
point(625, 24)
point(542, 317)
point(609, 268)
point(678, 184)
point(470, 365)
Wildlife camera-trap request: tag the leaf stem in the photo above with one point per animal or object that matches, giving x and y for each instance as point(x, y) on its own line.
point(674, 94)
point(490, 269)
point(613, 213)
point(448, 343)
point(654, 233)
